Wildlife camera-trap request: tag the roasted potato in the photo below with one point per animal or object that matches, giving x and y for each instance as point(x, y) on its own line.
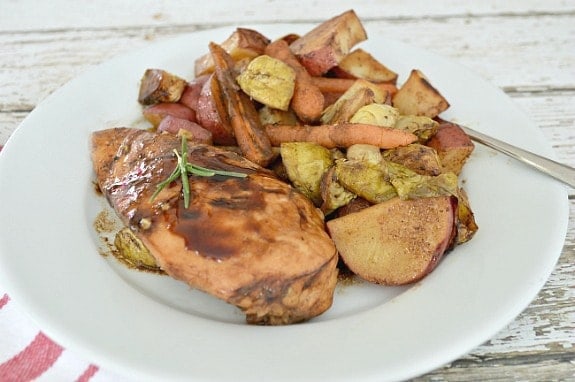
point(396, 242)
point(418, 97)
point(452, 145)
point(242, 44)
point(326, 45)
point(361, 64)
point(159, 86)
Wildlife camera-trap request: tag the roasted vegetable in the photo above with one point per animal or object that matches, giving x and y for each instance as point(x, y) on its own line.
point(340, 135)
point(269, 81)
point(237, 111)
point(242, 44)
point(466, 225)
point(158, 85)
point(307, 100)
point(271, 116)
point(410, 185)
point(156, 112)
point(423, 127)
point(324, 47)
point(361, 93)
point(131, 251)
point(333, 194)
point(376, 114)
point(365, 153)
point(452, 145)
point(417, 157)
point(417, 96)
point(398, 241)
point(361, 64)
point(364, 179)
point(305, 164)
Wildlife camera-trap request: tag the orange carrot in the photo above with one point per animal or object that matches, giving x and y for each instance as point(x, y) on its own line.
point(307, 101)
point(340, 85)
point(340, 135)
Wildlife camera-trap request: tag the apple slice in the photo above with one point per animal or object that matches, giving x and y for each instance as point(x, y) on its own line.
point(398, 241)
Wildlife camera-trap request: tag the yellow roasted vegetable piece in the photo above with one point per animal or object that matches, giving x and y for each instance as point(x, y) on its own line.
point(131, 251)
point(269, 81)
point(376, 114)
point(305, 164)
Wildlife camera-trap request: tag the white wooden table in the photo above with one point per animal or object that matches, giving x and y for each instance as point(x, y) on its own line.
point(527, 48)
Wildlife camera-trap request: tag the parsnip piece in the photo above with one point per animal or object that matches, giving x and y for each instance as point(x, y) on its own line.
point(158, 86)
point(418, 97)
point(242, 44)
point(324, 47)
point(398, 241)
point(269, 81)
point(359, 94)
point(361, 64)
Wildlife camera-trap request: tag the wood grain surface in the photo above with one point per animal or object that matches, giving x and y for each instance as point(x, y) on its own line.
point(526, 48)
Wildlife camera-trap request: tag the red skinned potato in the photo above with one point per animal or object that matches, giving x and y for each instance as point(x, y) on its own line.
point(192, 91)
point(155, 113)
point(192, 130)
point(326, 45)
point(398, 241)
point(209, 118)
point(453, 146)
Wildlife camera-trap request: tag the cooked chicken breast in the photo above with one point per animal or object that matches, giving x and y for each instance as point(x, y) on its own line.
point(254, 242)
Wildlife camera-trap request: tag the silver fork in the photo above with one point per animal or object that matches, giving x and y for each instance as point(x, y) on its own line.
point(550, 167)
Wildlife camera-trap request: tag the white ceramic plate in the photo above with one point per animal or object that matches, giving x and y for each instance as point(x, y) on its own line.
point(153, 328)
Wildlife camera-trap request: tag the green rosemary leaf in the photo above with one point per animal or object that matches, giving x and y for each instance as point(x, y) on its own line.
point(184, 169)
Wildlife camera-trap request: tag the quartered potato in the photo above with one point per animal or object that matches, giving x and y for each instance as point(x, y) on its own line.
point(158, 86)
point(418, 97)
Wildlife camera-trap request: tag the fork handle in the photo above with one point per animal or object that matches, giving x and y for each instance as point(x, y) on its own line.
point(550, 167)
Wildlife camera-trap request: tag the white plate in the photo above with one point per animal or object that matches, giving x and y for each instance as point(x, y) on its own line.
point(152, 328)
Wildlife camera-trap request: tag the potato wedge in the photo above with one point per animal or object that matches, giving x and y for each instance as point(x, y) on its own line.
point(396, 242)
point(452, 145)
point(155, 113)
point(158, 86)
point(361, 64)
point(242, 44)
point(418, 97)
point(326, 45)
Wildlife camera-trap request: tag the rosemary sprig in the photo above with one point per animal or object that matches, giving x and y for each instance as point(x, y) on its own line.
point(184, 169)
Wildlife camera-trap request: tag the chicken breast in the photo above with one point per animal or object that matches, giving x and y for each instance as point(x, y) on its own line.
point(254, 242)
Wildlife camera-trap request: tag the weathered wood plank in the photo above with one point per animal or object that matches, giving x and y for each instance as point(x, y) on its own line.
point(26, 15)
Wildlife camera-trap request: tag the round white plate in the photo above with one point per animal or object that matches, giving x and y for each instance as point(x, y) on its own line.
point(150, 327)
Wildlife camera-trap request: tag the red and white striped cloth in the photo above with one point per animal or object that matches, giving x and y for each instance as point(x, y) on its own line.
point(27, 354)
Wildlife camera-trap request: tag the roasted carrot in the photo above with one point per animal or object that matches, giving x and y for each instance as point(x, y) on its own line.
point(307, 100)
point(340, 135)
point(236, 108)
point(340, 85)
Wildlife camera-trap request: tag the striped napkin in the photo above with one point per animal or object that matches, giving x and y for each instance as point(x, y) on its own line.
point(27, 354)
